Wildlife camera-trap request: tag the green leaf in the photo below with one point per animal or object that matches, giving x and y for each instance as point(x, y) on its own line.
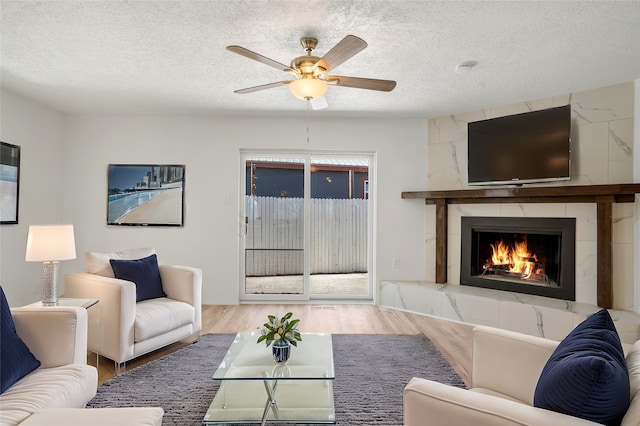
point(269, 327)
point(261, 338)
point(287, 316)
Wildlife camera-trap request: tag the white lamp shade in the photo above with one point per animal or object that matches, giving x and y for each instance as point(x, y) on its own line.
point(308, 88)
point(46, 243)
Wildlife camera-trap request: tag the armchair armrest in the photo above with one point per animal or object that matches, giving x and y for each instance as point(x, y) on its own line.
point(508, 362)
point(56, 335)
point(117, 304)
point(184, 283)
point(431, 403)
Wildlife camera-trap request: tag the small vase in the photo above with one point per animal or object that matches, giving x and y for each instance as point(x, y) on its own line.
point(281, 351)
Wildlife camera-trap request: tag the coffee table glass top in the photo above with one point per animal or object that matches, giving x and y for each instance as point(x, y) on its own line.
point(255, 389)
point(247, 360)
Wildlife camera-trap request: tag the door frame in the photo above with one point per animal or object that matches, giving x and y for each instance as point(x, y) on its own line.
point(371, 238)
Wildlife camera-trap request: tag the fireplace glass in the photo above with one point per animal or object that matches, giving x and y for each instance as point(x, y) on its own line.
point(524, 255)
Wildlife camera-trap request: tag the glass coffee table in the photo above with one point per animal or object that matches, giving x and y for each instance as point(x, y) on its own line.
point(255, 389)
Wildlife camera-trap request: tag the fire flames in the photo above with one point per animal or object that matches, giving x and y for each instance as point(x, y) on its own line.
point(517, 259)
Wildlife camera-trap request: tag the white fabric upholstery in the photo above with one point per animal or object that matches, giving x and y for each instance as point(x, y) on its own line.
point(633, 364)
point(499, 357)
point(98, 263)
point(134, 416)
point(158, 316)
point(506, 367)
point(57, 336)
point(124, 332)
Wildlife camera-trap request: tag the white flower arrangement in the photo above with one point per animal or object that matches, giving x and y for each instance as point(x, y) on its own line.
point(277, 330)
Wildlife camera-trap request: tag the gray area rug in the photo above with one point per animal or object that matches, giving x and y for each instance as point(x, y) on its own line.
point(371, 373)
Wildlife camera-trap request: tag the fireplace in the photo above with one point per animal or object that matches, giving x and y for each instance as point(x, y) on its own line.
point(519, 254)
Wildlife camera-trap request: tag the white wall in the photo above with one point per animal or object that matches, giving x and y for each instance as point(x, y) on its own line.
point(38, 132)
point(209, 147)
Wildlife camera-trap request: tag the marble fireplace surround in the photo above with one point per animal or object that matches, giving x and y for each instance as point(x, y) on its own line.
point(604, 196)
point(530, 314)
point(524, 313)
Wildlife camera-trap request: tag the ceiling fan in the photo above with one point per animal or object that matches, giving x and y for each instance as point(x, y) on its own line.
point(310, 72)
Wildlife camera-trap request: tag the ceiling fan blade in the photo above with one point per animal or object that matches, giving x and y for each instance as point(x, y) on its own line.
point(319, 103)
point(258, 57)
point(345, 49)
point(263, 87)
point(362, 83)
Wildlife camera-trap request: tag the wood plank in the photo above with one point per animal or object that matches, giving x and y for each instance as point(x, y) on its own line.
point(442, 216)
point(562, 194)
point(604, 253)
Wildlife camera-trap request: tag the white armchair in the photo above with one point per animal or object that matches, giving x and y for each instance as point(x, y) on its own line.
point(506, 367)
point(126, 328)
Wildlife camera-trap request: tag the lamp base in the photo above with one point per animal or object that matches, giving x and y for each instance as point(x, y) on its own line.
point(50, 283)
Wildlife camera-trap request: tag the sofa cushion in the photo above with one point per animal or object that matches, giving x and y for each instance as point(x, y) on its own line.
point(68, 386)
point(16, 360)
point(159, 316)
point(144, 273)
point(586, 376)
point(98, 262)
point(633, 365)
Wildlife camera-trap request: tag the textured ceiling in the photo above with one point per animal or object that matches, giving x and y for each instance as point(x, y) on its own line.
point(170, 56)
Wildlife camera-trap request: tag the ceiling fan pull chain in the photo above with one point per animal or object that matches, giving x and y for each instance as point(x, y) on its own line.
point(308, 114)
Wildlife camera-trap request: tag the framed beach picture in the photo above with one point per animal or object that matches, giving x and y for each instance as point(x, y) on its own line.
point(145, 195)
point(9, 182)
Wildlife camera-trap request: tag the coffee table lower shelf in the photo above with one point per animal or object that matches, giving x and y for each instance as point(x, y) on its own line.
point(296, 402)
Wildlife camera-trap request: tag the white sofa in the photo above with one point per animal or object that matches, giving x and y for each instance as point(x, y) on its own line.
point(57, 392)
point(57, 337)
point(505, 370)
point(127, 329)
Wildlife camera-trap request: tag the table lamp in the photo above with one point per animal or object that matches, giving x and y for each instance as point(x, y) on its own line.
point(49, 244)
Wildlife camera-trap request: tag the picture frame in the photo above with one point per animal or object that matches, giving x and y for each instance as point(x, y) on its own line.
point(9, 183)
point(145, 194)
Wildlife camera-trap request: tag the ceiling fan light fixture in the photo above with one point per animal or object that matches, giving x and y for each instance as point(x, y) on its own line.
point(308, 88)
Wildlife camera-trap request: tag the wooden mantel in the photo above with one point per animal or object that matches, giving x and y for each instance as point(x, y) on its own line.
point(602, 195)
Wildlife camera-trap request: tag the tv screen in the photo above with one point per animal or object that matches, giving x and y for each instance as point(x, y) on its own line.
point(145, 194)
point(522, 148)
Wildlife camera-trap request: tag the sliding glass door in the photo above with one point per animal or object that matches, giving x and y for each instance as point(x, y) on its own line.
point(274, 231)
point(307, 227)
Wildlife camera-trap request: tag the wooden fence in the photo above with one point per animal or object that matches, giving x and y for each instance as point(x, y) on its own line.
point(275, 236)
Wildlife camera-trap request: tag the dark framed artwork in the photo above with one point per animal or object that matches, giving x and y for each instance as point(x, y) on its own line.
point(9, 182)
point(145, 195)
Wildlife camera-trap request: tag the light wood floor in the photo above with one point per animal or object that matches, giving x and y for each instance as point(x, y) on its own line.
point(453, 339)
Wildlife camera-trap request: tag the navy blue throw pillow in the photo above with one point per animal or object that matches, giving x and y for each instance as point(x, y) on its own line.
point(16, 360)
point(586, 376)
point(144, 273)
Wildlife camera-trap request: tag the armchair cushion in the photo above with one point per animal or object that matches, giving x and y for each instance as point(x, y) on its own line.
point(98, 262)
point(586, 376)
point(144, 273)
point(159, 316)
point(16, 360)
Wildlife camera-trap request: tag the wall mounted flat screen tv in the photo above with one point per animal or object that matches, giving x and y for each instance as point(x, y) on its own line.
point(145, 195)
point(522, 148)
